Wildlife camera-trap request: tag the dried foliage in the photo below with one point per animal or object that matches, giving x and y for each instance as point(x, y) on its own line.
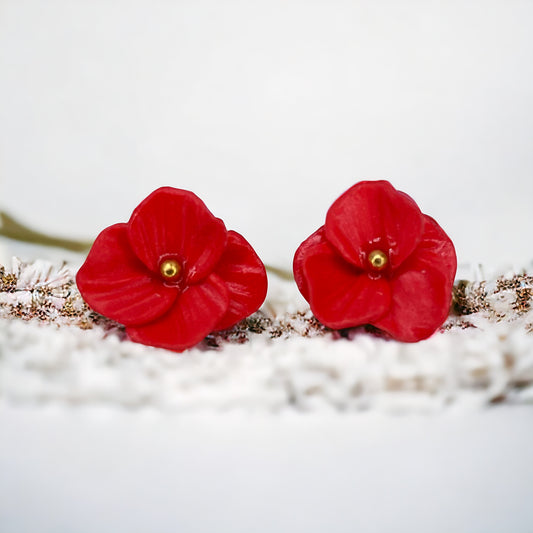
point(45, 292)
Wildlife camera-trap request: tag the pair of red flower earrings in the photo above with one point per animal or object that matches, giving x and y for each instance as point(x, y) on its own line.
point(174, 273)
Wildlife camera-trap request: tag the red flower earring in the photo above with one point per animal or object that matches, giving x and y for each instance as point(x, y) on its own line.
point(173, 273)
point(378, 260)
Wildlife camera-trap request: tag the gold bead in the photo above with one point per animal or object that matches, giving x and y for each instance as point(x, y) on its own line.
point(378, 259)
point(170, 269)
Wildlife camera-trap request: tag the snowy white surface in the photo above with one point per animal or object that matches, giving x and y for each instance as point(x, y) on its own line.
point(479, 358)
point(42, 364)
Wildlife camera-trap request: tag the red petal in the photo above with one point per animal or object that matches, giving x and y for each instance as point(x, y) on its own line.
point(373, 215)
point(195, 314)
point(245, 277)
point(422, 288)
point(436, 249)
point(116, 284)
point(311, 245)
point(174, 222)
point(340, 295)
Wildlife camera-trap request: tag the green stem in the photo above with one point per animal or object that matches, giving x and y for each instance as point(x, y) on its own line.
point(13, 229)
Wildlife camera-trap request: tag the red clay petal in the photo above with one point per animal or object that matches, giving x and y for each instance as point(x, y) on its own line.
point(340, 295)
point(174, 222)
point(436, 250)
point(117, 285)
point(373, 215)
point(312, 244)
point(245, 277)
point(195, 313)
point(422, 289)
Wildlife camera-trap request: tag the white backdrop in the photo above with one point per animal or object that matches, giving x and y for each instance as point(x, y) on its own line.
point(269, 110)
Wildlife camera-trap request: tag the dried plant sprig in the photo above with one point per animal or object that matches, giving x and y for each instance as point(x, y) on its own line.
point(47, 292)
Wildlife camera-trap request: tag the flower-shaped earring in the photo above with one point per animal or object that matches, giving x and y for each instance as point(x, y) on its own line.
point(378, 260)
point(173, 273)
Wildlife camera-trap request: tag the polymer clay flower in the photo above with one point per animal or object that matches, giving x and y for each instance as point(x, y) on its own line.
point(378, 260)
point(173, 273)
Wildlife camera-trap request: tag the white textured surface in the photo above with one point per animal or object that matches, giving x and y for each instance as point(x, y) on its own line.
point(481, 357)
point(41, 363)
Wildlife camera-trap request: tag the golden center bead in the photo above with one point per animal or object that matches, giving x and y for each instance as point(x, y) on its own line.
point(170, 269)
point(378, 259)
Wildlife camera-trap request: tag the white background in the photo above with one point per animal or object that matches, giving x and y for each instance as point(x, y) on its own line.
point(93, 472)
point(269, 110)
